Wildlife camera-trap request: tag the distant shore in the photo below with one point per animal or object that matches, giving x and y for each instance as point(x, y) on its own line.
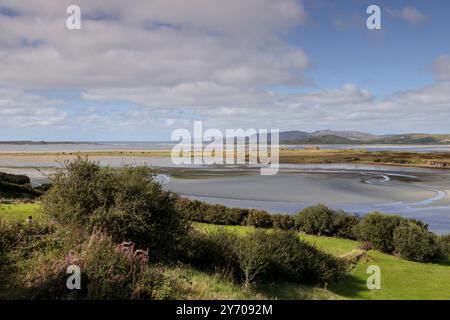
point(439, 160)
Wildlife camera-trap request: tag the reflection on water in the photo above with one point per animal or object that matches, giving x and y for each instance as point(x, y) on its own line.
point(421, 194)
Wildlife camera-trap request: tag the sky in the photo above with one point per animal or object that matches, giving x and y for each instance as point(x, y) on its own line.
point(139, 69)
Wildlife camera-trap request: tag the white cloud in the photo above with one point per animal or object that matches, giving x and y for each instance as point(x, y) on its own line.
point(409, 14)
point(21, 110)
point(206, 59)
point(157, 43)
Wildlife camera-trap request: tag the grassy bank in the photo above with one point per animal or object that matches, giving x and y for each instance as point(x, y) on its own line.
point(193, 283)
point(401, 279)
point(20, 211)
point(396, 158)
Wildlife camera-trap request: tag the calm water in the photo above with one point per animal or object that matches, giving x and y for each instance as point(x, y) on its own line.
point(411, 192)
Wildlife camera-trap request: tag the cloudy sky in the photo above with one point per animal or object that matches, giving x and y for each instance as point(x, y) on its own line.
point(139, 69)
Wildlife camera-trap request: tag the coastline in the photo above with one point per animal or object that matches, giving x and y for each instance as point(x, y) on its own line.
point(440, 160)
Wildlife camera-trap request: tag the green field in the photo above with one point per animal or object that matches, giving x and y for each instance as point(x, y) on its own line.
point(400, 279)
point(20, 212)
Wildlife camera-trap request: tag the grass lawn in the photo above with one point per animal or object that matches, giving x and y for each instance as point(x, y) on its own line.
point(400, 279)
point(20, 211)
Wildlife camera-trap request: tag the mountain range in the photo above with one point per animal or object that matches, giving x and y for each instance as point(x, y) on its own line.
point(357, 137)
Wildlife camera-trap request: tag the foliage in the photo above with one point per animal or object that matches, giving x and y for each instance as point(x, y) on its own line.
point(258, 219)
point(444, 242)
point(14, 178)
point(379, 230)
point(345, 225)
point(251, 255)
point(35, 266)
point(127, 203)
point(283, 222)
point(262, 255)
point(414, 242)
point(292, 259)
point(321, 220)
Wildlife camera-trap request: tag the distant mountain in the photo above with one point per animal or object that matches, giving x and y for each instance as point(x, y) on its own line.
point(352, 135)
point(356, 137)
point(328, 139)
point(294, 135)
point(416, 138)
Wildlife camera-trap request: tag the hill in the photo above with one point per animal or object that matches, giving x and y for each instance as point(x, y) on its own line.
point(352, 135)
point(356, 137)
point(401, 279)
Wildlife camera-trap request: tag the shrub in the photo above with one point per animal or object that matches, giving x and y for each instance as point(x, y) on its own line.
point(12, 190)
point(209, 250)
point(108, 271)
point(414, 242)
point(14, 234)
point(237, 216)
point(14, 178)
point(345, 225)
point(366, 246)
point(379, 230)
point(444, 242)
point(251, 256)
point(193, 210)
point(199, 211)
point(219, 214)
point(316, 220)
point(263, 255)
point(283, 222)
point(259, 219)
point(128, 203)
point(292, 259)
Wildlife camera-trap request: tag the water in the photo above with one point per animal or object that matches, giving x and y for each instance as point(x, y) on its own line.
point(86, 147)
point(155, 145)
point(412, 192)
point(421, 194)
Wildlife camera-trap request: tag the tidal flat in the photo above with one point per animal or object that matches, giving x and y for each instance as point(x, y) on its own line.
point(358, 187)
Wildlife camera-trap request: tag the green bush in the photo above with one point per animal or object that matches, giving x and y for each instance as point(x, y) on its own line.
point(193, 210)
point(14, 178)
point(413, 242)
point(209, 250)
point(283, 222)
point(108, 271)
point(262, 255)
point(259, 219)
point(444, 242)
point(199, 211)
point(14, 234)
point(379, 230)
point(321, 220)
point(318, 220)
point(345, 225)
point(251, 256)
point(127, 203)
point(292, 259)
point(219, 214)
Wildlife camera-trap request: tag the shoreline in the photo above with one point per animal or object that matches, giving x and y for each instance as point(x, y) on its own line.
point(431, 160)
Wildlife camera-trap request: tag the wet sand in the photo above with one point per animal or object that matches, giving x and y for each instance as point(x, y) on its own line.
point(411, 192)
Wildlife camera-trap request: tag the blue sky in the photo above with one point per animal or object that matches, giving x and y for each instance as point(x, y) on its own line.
point(137, 71)
point(395, 58)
